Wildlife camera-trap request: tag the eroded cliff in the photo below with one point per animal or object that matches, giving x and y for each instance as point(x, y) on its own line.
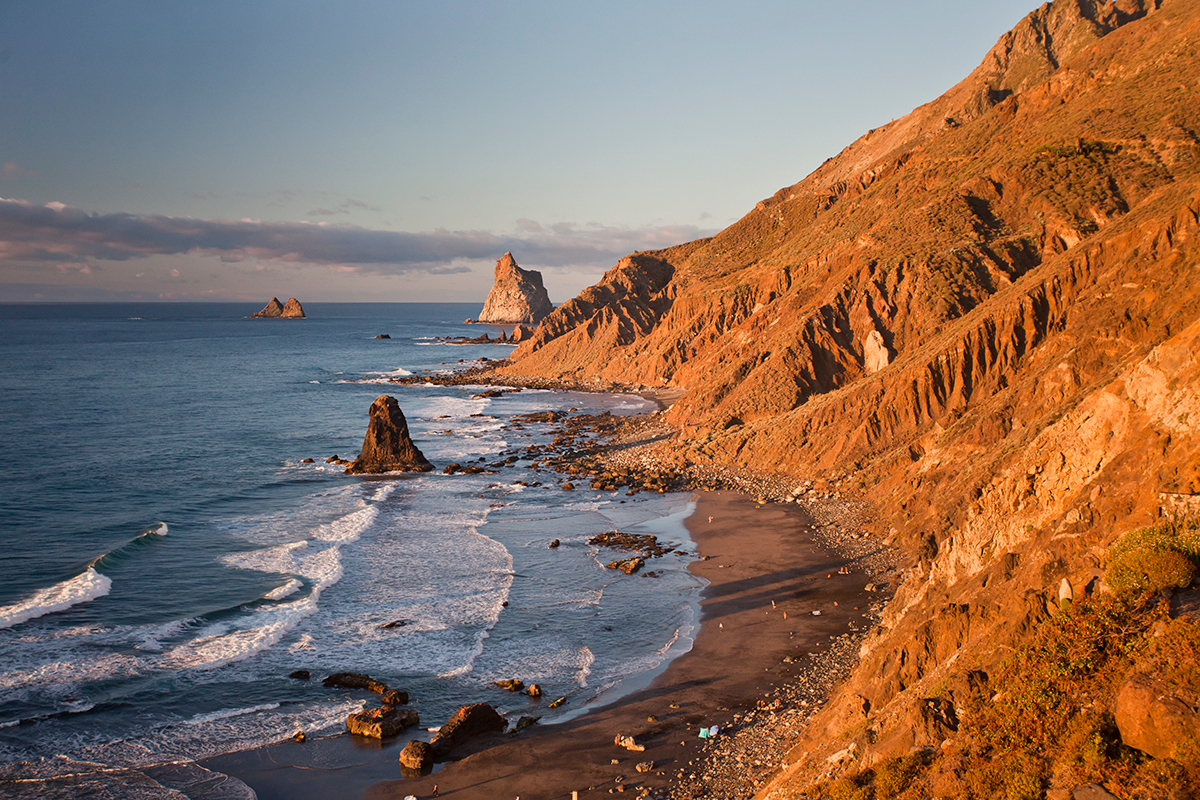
point(983, 317)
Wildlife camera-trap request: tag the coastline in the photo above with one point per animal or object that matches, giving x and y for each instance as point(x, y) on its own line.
point(767, 571)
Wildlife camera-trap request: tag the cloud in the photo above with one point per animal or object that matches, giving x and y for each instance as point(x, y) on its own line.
point(9, 170)
point(63, 234)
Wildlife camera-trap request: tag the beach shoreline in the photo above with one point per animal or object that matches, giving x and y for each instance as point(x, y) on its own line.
point(767, 570)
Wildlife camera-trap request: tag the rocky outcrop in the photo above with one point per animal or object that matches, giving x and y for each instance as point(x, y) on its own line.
point(517, 295)
point(416, 756)
point(274, 309)
point(381, 723)
point(387, 446)
point(1156, 717)
point(466, 723)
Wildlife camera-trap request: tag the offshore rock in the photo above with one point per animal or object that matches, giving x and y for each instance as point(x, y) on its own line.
point(469, 721)
point(274, 309)
point(516, 296)
point(387, 446)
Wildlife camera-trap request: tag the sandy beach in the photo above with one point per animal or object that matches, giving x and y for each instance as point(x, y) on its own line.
point(767, 576)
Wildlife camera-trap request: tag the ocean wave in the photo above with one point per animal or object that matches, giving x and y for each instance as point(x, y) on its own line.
point(221, 644)
point(491, 615)
point(83, 588)
point(398, 372)
point(587, 659)
point(159, 529)
point(280, 592)
point(228, 713)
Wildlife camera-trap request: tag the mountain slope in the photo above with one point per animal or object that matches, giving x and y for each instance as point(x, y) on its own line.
point(983, 317)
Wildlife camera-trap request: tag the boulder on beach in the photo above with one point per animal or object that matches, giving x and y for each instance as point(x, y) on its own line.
point(387, 446)
point(417, 756)
point(466, 723)
point(382, 722)
point(516, 296)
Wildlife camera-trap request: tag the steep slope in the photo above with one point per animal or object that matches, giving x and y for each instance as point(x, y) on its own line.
point(983, 317)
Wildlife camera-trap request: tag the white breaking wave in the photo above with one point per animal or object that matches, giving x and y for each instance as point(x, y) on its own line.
point(398, 372)
point(288, 589)
point(226, 713)
point(82, 588)
point(587, 658)
point(159, 529)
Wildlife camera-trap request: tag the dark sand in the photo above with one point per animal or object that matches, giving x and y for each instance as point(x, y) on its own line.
point(752, 555)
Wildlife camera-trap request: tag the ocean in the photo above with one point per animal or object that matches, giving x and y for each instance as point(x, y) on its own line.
point(169, 558)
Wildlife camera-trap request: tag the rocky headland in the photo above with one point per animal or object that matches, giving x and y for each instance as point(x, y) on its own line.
point(276, 310)
point(517, 296)
point(979, 323)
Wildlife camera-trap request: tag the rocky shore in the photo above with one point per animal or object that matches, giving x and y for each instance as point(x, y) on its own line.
point(794, 586)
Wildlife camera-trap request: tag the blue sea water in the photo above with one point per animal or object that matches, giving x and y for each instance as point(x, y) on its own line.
point(168, 558)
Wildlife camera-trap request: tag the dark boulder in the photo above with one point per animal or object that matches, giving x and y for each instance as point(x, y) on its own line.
point(355, 680)
point(466, 723)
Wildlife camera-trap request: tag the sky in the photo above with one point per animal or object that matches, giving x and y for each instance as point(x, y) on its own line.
point(394, 150)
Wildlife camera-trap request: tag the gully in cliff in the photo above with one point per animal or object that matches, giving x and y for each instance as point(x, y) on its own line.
point(387, 446)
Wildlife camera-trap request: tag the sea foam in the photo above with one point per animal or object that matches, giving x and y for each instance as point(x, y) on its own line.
point(83, 588)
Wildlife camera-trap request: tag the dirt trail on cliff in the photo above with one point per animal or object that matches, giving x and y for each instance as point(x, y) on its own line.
point(984, 316)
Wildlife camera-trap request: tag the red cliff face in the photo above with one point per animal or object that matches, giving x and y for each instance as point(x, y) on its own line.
point(984, 314)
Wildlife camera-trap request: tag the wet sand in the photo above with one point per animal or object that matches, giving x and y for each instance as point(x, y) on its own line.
point(766, 574)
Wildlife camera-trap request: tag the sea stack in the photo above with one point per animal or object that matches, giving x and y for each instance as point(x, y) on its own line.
point(516, 296)
point(274, 309)
point(387, 446)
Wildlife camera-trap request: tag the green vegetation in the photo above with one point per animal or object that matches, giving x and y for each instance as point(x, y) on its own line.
point(1045, 718)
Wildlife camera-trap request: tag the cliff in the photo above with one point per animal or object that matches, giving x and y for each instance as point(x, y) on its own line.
point(517, 295)
point(982, 318)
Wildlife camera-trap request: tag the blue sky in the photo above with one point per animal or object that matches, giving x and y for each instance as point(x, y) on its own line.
point(394, 150)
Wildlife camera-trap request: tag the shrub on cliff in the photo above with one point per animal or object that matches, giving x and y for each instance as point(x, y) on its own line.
point(1155, 558)
point(1044, 720)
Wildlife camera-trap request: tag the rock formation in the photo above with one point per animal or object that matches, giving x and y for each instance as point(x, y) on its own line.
point(466, 723)
point(274, 309)
point(381, 723)
point(980, 318)
point(416, 756)
point(516, 296)
point(387, 446)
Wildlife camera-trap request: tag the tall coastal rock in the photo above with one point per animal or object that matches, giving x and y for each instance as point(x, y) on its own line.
point(274, 309)
point(387, 447)
point(980, 320)
point(517, 295)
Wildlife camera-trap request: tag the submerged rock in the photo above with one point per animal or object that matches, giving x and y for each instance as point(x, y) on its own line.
point(355, 680)
point(516, 296)
point(387, 446)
